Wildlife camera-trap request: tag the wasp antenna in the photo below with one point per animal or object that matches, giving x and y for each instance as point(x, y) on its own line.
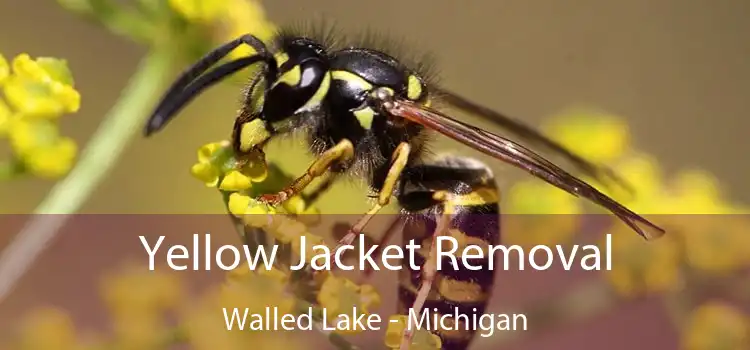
point(170, 107)
point(190, 82)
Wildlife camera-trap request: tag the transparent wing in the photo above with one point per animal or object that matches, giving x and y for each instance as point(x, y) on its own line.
point(519, 156)
point(529, 134)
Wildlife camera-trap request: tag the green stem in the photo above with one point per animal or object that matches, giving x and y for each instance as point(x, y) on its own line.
point(121, 124)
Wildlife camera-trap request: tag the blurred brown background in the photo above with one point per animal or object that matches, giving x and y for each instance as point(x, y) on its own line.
point(676, 70)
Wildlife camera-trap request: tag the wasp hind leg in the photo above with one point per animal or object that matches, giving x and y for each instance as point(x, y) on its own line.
point(453, 197)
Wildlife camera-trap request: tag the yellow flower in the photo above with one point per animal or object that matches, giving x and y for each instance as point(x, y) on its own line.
point(311, 240)
point(216, 161)
point(205, 172)
point(235, 181)
point(339, 295)
point(641, 267)
point(42, 87)
point(244, 17)
point(53, 161)
point(43, 151)
point(294, 205)
point(201, 11)
point(256, 291)
point(4, 69)
point(697, 192)
point(135, 289)
point(48, 329)
point(716, 325)
point(598, 137)
point(136, 329)
point(290, 230)
point(715, 243)
point(6, 117)
point(540, 214)
point(422, 339)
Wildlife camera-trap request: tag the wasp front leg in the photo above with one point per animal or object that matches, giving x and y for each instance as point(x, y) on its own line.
point(452, 197)
point(340, 153)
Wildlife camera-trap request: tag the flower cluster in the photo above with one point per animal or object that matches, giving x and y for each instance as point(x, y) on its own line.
point(37, 92)
point(717, 325)
point(241, 181)
point(189, 27)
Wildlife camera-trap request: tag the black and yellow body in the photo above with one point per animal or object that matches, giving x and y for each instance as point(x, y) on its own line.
point(471, 200)
point(367, 114)
point(324, 94)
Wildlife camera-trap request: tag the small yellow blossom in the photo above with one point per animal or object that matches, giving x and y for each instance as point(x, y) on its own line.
point(207, 152)
point(641, 267)
point(697, 192)
point(205, 324)
point(598, 137)
point(4, 69)
point(339, 295)
point(6, 118)
point(422, 339)
point(139, 329)
point(238, 204)
point(215, 161)
point(53, 161)
point(48, 329)
point(235, 181)
point(199, 10)
point(311, 240)
point(716, 325)
point(136, 288)
point(715, 243)
point(290, 230)
point(205, 172)
point(294, 205)
point(244, 17)
point(42, 87)
point(41, 148)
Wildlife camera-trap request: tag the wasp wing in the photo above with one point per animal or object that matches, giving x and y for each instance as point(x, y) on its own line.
point(519, 156)
point(529, 134)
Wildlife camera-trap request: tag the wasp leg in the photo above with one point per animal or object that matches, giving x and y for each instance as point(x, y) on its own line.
point(341, 152)
point(313, 196)
point(398, 164)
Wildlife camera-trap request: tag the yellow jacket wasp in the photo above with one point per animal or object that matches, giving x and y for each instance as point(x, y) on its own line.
point(367, 113)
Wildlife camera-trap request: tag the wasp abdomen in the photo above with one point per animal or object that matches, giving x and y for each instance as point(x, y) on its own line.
point(462, 286)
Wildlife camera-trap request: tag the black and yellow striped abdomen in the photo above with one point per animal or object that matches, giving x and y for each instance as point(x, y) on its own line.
point(472, 198)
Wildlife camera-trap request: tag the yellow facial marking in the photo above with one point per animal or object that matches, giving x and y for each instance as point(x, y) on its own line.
point(252, 134)
point(351, 78)
point(365, 117)
point(291, 77)
point(320, 94)
point(281, 58)
point(413, 88)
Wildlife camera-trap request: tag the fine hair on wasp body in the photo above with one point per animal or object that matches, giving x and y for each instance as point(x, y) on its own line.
point(367, 113)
